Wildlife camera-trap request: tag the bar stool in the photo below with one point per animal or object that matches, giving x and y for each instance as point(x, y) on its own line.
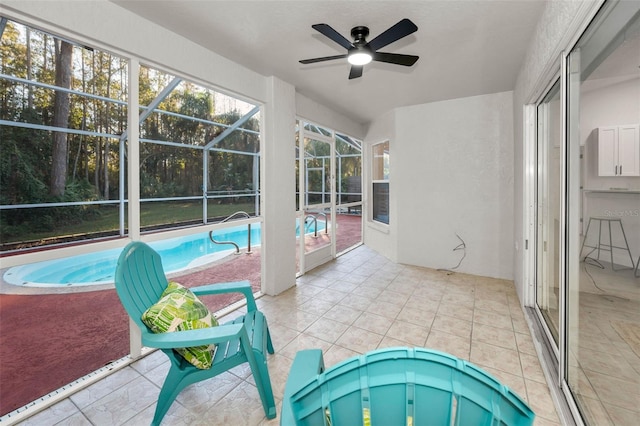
point(601, 246)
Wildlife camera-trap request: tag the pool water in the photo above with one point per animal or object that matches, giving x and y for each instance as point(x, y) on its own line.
point(99, 268)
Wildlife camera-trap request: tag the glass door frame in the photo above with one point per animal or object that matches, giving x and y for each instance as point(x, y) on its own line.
point(321, 255)
point(543, 169)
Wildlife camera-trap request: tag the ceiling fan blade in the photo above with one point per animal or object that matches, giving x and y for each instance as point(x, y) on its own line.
point(399, 30)
point(333, 35)
point(395, 58)
point(356, 71)
point(324, 58)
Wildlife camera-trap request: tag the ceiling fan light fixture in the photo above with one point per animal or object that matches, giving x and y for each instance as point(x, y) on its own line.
point(359, 57)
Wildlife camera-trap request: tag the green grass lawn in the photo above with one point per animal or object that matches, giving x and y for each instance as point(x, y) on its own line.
point(107, 218)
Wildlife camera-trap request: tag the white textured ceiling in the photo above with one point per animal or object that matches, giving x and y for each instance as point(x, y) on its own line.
point(466, 48)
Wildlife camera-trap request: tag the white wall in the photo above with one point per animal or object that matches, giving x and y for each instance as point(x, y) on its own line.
point(453, 166)
point(279, 191)
point(319, 114)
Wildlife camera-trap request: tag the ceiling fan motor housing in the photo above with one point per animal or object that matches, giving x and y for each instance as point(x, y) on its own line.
point(359, 35)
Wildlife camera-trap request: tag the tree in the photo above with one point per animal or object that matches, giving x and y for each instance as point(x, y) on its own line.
point(64, 56)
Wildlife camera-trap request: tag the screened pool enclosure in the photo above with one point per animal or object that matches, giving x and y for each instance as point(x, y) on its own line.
point(68, 135)
point(64, 127)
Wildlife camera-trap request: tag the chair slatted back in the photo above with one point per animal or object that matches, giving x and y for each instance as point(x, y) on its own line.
point(139, 279)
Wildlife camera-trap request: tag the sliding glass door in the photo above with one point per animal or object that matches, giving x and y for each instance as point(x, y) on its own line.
point(601, 354)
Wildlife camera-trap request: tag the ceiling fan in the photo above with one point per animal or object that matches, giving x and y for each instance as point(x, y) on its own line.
point(360, 52)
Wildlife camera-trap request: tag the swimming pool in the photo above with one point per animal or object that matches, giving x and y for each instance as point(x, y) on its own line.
point(99, 268)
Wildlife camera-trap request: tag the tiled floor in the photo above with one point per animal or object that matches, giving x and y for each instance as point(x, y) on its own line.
point(357, 303)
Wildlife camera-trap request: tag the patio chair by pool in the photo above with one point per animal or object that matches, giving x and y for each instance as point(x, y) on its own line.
point(397, 386)
point(140, 283)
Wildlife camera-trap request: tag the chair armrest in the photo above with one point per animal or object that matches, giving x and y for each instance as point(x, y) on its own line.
point(307, 364)
point(243, 287)
point(201, 336)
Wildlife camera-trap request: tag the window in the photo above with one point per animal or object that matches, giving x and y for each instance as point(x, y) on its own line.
point(380, 182)
point(63, 121)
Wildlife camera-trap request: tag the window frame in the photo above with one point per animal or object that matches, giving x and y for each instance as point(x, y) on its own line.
point(379, 181)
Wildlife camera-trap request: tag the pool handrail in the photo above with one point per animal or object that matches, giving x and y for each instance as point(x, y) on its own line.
point(231, 216)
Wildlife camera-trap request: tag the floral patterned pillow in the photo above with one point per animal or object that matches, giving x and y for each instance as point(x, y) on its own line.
point(177, 310)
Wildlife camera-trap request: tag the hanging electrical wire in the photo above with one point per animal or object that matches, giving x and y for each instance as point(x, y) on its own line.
point(462, 246)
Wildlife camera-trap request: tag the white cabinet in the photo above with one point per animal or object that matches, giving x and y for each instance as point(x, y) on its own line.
point(619, 150)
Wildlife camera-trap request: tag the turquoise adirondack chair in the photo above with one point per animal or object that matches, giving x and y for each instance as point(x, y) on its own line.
point(397, 386)
point(140, 280)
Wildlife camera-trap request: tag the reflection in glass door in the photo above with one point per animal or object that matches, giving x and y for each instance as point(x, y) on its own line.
point(601, 362)
point(548, 196)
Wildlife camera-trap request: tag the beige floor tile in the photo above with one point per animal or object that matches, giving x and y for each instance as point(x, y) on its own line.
point(383, 308)
point(450, 343)
point(359, 340)
point(393, 297)
point(492, 305)
point(303, 341)
point(200, 396)
point(326, 329)
point(492, 318)
point(496, 357)
point(343, 286)
point(495, 336)
point(452, 325)
point(520, 325)
point(390, 342)
point(427, 291)
point(337, 354)
point(368, 292)
point(358, 302)
point(525, 344)
point(540, 400)
point(122, 404)
point(281, 335)
point(293, 318)
point(316, 306)
point(343, 314)
point(422, 303)
point(514, 382)
point(453, 309)
point(330, 295)
point(466, 300)
point(531, 369)
point(403, 285)
point(407, 332)
point(241, 406)
point(64, 410)
point(372, 322)
point(416, 316)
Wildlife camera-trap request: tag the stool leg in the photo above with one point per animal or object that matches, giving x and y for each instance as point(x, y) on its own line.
point(599, 238)
point(584, 240)
point(626, 245)
point(611, 245)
